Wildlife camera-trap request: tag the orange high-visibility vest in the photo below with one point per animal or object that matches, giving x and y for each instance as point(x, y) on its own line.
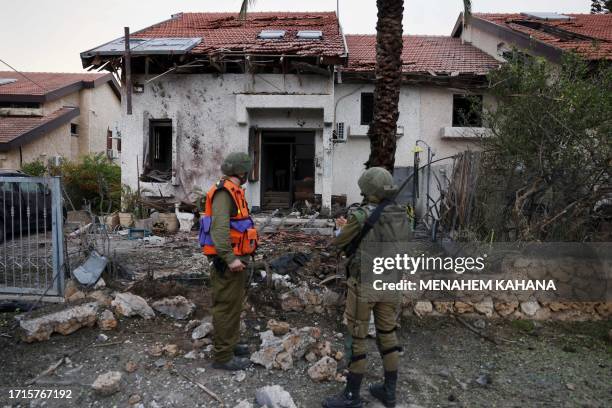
point(243, 235)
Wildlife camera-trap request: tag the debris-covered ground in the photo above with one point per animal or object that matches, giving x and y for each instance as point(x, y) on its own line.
point(165, 361)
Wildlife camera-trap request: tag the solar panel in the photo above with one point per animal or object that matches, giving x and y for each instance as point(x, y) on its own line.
point(146, 46)
point(310, 34)
point(6, 81)
point(271, 34)
point(546, 15)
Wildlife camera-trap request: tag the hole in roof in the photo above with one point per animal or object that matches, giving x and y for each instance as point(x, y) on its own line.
point(546, 15)
point(6, 81)
point(271, 34)
point(310, 34)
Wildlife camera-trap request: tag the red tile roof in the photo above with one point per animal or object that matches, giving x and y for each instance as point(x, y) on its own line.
point(224, 32)
point(422, 54)
point(12, 128)
point(45, 82)
point(598, 27)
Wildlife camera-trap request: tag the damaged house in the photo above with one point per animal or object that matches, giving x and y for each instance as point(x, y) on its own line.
point(291, 89)
point(49, 116)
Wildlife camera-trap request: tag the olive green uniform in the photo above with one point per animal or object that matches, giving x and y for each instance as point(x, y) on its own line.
point(359, 307)
point(228, 288)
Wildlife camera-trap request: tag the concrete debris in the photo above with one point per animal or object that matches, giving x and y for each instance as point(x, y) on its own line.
point(134, 399)
point(280, 352)
point(324, 349)
point(171, 350)
point(278, 328)
point(310, 357)
point(240, 376)
point(274, 396)
point(323, 370)
point(64, 322)
point(154, 240)
point(177, 307)
point(192, 355)
point(131, 366)
point(75, 297)
point(339, 355)
point(156, 349)
point(309, 300)
point(127, 304)
point(100, 284)
point(101, 297)
point(192, 324)
point(70, 288)
point(107, 383)
point(107, 321)
point(202, 331)
point(244, 404)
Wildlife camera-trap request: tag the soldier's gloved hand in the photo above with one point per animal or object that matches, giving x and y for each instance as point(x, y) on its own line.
point(340, 222)
point(236, 266)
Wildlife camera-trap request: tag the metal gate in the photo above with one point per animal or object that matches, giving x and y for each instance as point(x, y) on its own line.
point(31, 236)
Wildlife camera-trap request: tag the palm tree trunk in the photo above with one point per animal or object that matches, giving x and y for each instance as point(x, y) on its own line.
point(389, 45)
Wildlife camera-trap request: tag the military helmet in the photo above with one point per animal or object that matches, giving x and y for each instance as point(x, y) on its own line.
point(377, 182)
point(236, 163)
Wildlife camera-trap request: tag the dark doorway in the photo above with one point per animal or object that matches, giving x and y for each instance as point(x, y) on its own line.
point(160, 147)
point(287, 168)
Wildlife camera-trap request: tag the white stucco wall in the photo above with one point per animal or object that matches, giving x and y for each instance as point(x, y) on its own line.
point(211, 116)
point(100, 111)
point(55, 143)
point(483, 40)
point(424, 111)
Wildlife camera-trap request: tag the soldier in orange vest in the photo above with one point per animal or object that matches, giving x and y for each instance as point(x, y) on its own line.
point(228, 238)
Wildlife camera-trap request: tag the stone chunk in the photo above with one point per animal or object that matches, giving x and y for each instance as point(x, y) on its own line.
point(323, 370)
point(274, 396)
point(127, 304)
point(177, 307)
point(530, 308)
point(107, 321)
point(274, 352)
point(202, 331)
point(278, 328)
point(64, 322)
point(107, 383)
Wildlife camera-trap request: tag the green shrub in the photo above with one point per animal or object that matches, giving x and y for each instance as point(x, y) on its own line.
point(35, 169)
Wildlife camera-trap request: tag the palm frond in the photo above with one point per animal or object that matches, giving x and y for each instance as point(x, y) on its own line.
point(244, 8)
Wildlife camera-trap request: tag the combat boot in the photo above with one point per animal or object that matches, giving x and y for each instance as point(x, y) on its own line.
point(385, 393)
point(349, 398)
point(242, 350)
point(235, 364)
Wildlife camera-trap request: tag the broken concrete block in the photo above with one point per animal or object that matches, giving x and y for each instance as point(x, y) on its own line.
point(506, 308)
point(274, 396)
point(101, 297)
point(176, 307)
point(107, 383)
point(127, 304)
point(64, 322)
point(324, 349)
point(323, 370)
point(107, 321)
point(296, 343)
point(284, 361)
point(75, 297)
point(202, 331)
point(278, 328)
point(100, 284)
point(70, 288)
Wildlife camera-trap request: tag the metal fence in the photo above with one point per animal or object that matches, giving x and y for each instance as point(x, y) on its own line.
point(31, 238)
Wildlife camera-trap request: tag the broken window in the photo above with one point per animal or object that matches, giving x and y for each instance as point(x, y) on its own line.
point(74, 129)
point(159, 163)
point(16, 105)
point(467, 110)
point(367, 107)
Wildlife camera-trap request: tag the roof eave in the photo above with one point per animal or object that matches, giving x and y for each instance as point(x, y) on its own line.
point(40, 130)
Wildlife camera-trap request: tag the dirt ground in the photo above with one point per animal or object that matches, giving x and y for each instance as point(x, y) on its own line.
point(443, 364)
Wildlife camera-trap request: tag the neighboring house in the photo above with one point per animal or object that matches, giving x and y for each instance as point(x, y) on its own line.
point(547, 35)
point(291, 89)
point(48, 116)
